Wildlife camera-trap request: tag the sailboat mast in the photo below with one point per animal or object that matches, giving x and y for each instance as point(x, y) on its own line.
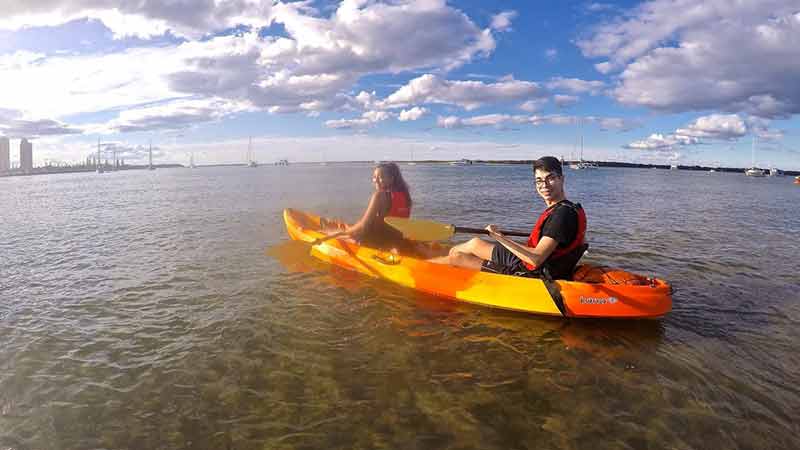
point(151, 154)
point(580, 131)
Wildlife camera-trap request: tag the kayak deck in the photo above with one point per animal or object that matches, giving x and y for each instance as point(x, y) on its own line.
point(595, 291)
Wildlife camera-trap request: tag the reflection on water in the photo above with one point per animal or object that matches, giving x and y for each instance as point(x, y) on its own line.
point(169, 310)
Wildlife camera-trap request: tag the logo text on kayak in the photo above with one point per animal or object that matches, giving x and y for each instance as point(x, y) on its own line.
point(598, 300)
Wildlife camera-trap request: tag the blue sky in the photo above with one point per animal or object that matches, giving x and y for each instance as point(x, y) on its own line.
point(664, 81)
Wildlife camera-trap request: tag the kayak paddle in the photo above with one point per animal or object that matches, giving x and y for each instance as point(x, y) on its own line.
point(428, 230)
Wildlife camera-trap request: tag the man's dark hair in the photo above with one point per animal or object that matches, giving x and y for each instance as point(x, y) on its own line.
point(548, 164)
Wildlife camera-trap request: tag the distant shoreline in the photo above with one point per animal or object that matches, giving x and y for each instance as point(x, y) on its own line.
point(50, 170)
point(57, 170)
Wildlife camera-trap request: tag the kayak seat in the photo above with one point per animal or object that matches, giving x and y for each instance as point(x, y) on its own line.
point(588, 273)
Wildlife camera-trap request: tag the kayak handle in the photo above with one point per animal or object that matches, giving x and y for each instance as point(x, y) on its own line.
point(391, 259)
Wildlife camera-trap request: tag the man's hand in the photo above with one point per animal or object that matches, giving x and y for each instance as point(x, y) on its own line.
point(493, 230)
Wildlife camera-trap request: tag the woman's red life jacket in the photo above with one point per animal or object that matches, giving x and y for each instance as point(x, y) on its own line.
point(576, 244)
point(400, 205)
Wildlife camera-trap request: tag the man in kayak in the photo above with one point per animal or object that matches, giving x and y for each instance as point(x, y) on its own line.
point(391, 198)
point(554, 246)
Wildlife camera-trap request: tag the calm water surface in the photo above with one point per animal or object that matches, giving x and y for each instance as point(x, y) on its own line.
point(167, 309)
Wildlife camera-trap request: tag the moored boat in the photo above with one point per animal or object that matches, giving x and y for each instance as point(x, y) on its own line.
point(461, 162)
point(755, 172)
point(595, 291)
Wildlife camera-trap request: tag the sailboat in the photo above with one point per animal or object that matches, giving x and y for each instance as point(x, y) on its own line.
point(151, 166)
point(412, 162)
point(581, 165)
point(754, 171)
point(191, 161)
point(251, 160)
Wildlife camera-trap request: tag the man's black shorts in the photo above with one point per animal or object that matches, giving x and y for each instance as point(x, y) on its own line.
point(506, 263)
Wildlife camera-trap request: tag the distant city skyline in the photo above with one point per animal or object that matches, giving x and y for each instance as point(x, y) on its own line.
point(5, 154)
point(648, 82)
point(25, 155)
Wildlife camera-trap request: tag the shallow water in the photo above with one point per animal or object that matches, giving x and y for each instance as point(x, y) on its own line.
point(168, 309)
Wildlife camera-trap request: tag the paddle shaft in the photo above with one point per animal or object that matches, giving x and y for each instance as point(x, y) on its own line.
point(483, 231)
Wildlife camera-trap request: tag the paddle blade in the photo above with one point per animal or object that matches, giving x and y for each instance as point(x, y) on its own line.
point(421, 230)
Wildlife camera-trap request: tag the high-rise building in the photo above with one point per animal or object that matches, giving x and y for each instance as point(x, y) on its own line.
point(25, 156)
point(5, 154)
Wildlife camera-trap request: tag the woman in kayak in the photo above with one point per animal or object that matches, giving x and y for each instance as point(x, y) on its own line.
point(390, 199)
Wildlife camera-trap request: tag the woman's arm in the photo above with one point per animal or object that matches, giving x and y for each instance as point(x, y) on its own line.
point(376, 210)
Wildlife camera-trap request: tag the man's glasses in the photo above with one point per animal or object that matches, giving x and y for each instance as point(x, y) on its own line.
point(548, 180)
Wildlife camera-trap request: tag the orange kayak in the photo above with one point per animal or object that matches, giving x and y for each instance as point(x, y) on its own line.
point(595, 291)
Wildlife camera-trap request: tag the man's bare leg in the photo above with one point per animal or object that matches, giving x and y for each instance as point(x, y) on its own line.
point(470, 254)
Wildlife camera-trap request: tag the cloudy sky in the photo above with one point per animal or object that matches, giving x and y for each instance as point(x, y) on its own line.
point(658, 81)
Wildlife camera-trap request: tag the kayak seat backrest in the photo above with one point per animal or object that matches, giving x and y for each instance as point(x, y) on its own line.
point(575, 256)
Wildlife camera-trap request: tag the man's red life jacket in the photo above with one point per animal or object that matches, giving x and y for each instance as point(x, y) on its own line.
point(400, 205)
point(575, 245)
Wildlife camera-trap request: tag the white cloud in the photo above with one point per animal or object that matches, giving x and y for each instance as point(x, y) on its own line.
point(714, 127)
point(145, 19)
point(761, 129)
point(171, 115)
point(366, 120)
point(63, 85)
point(613, 123)
point(599, 7)
point(551, 54)
point(9, 114)
point(488, 120)
point(661, 143)
point(412, 114)
point(363, 37)
point(16, 127)
point(366, 100)
point(19, 60)
point(680, 55)
point(449, 122)
point(310, 70)
point(563, 101)
point(575, 85)
point(504, 120)
point(469, 95)
point(502, 21)
point(533, 105)
point(553, 119)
